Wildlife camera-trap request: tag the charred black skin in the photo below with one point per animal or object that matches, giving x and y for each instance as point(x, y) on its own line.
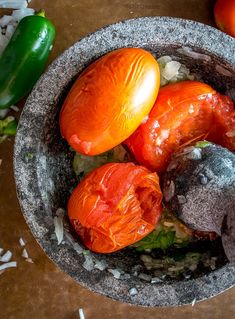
point(199, 187)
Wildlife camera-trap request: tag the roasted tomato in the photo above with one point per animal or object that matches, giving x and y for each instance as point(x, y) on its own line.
point(184, 112)
point(224, 13)
point(109, 100)
point(115, 205)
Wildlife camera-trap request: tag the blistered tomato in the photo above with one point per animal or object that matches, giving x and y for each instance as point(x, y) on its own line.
point(115, 205)
point(109, 100)
point(184, 112)
point(224, 12)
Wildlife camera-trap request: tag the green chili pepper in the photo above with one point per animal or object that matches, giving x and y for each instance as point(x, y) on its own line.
point(23, 60)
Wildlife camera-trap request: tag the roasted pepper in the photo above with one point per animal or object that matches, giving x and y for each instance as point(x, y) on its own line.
point(24, 58)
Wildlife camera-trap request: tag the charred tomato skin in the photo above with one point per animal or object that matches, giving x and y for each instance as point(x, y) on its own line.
point(115, 205)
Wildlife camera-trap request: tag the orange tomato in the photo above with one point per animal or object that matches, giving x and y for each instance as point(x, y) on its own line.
point(109, 100)
point(115, 205)
point(224, 12)
point(184, 112)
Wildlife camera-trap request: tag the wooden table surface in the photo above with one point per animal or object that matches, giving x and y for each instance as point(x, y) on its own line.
point(41, 290)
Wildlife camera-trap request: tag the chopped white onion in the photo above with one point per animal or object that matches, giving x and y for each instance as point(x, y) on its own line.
point(1, 249)
point(11, 264)
point(75, 245)
point(116, 273)
point(194, 301)
point(5, 20)
point(58, 223)
point(133, 291)
point(81, 314)
point(169, 191)
point(14, 108)
point(29, 260)
point(22, 242)
point(20, 14)
point(25, 254)
point(171, 70)
point(88, 263)
point(6, 257)
point(9, 31)
point(145, 277)
point(156, 280)
point(101, 265)
point(13, 4)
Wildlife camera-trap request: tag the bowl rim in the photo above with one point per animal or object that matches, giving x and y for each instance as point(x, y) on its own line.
point(169, 294)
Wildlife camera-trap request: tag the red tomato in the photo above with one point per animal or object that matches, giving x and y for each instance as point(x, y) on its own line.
point(109, 100)
point(115, 205)
point(224, 13)
point(184, 112)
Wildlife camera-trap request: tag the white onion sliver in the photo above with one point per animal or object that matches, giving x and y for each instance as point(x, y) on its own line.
point(171, 69)
point(25, 254)
point(6, 257)
point(22, 242)
point(1, 249)
point(5, 20)
point(20, 14)
point(116, 273)
point(133, 291)
point(59, 230)
point(81, 314)
point(13, 4)
point(101, 265)
point(88, 263)
point(11, 264)
point(193, 302)
point(10, 30)
point(60, 213)
point(15, 108)
point(29, 260)
point(75, 245)
point(145, 277)
point(58, 223)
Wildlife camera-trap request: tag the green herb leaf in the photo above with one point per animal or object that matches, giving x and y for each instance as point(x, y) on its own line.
point(8, 126)
point(202, 144)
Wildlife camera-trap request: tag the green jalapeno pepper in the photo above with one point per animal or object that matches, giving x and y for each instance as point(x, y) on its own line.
point(23, 60)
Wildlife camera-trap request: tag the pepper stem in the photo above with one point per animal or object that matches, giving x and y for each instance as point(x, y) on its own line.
point(41, 13)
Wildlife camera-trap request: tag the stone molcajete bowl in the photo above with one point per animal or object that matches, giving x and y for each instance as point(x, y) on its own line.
point(43, 161)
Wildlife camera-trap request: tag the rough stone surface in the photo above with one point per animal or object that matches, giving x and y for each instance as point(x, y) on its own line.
point(42, 160)
point(207, 183)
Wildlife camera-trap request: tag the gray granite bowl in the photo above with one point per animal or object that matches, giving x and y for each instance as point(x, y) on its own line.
point(43, 170)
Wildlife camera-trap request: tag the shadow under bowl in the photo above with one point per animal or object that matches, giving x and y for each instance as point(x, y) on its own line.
point(43, 160)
